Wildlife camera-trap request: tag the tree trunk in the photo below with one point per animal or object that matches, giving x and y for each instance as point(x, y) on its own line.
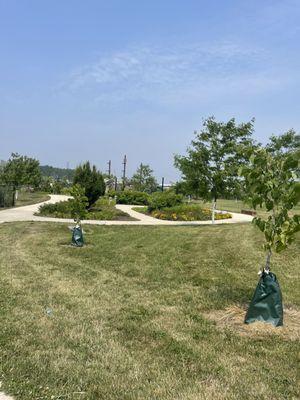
point(14, 196)
point(267, 266)
point(213, 210)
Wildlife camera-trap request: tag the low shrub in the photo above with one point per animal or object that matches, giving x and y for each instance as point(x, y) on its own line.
point(104, 201)
point(161, 200)
point(104, 209)
point(109, 214)
point(66, 191)
point(101, 210)
point(63, 209)
point(222, 215)
point(131, 197)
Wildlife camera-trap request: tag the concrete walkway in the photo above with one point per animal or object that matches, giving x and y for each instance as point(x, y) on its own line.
point(147, 220)
point(26, 213)
point(5, 397)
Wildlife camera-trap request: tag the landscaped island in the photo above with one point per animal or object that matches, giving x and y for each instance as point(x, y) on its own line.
point(102, 209)
point(162, 205)
point(184, 212)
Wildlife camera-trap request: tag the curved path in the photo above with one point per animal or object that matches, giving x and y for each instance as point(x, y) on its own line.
point(5, 397)
point(26, 213)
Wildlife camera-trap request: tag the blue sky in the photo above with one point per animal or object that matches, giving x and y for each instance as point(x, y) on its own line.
point(94, 80)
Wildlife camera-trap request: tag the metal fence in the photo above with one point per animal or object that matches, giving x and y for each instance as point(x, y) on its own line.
point(7, 196)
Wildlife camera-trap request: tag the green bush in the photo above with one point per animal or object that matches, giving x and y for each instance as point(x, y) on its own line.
point(66, 191)
point(104, 201)
point(91, 180)
point(55, 186)
point(63, 209)
point(160, 200)
point(101, 210)
point(131, 197)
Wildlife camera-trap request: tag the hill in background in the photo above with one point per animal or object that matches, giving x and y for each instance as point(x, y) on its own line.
point(57, 173)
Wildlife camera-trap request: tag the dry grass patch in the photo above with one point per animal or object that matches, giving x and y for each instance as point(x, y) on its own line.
point(233, 318)
point(127, 320)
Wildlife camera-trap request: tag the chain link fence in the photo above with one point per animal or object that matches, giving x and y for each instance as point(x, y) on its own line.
point(7, 196)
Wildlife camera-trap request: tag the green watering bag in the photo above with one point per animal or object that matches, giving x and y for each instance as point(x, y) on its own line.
point(77, 236)
point(266, 304)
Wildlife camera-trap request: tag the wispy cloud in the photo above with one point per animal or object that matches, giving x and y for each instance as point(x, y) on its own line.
point(161, 65)
point(146, 72)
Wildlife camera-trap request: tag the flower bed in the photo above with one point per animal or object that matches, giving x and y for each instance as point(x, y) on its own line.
point(184, 212)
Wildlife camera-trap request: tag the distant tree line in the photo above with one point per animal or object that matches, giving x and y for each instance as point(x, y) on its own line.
point(57, 173)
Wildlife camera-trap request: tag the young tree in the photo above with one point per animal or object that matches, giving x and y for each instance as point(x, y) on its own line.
point(210, 168)
point(143, 180)
point(91, 180)
point(271, 181)
point(79, 203)
point(21, 170)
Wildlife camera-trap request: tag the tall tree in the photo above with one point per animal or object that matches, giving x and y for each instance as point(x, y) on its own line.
point(284, 144)
point(91, 180)
point(210, 168)
point(143, 179)
point(21, 170)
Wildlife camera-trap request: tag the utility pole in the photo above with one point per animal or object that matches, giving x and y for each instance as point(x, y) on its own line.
point(162, 184)
point(141, 175)
point(109, 168)
point(124, 171)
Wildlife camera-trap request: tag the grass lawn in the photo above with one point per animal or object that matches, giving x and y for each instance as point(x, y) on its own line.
point(131, 315)
point(27, 198)
point(237, 206)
